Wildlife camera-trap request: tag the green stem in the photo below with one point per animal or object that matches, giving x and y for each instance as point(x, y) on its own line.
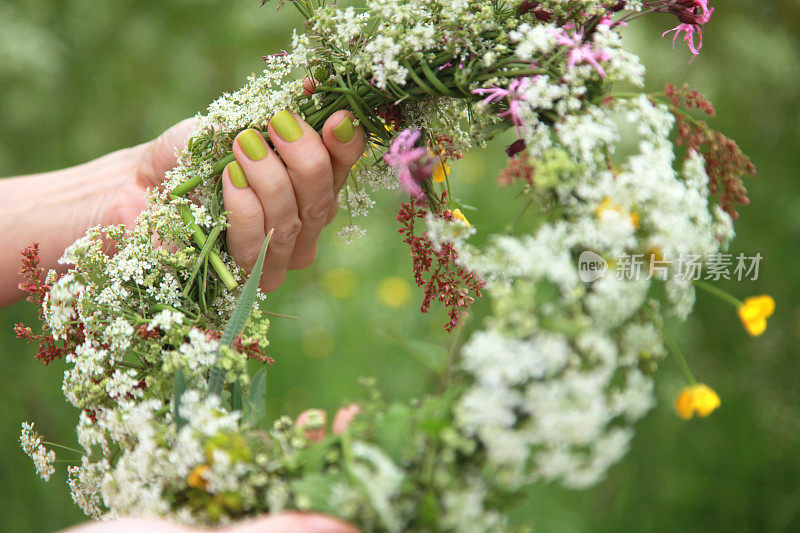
point(204, 251)
point(157, 307)
point(126, 364)
point(220, 165)
point(278, 315)
point(213, 257)
point(185, 187)
point(452, 351)
point(676, 351)
point(302, 8)
point(522, 211)
point(194, 181)
point(514, 73)
point(347, 454)
point(421, 84)
point(53, 444)
point(436, 82)
point(719, 293)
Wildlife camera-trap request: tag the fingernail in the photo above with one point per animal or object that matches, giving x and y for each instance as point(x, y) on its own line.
point(236, 172)
point(286, 126)
point(252, 145)
point(344, 131)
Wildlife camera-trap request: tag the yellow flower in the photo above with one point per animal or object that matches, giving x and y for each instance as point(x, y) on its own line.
point(394, 292)
point(610, 205)
point(754, 313)
point(460, 216)
point(697, 399)
point(197, 477)
point(441, 170)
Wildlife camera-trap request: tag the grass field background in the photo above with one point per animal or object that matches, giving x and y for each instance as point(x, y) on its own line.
point(81, 78)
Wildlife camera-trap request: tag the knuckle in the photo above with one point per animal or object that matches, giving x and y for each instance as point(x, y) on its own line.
point(278, 187)
point(247, 258)
point(246, 214)
point(332, 213)
point(314, 164)
point(319, 209)
point(285, 234)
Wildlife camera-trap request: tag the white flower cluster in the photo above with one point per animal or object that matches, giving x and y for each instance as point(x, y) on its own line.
point(59, 304)
point(42, 458)
point(563, 369)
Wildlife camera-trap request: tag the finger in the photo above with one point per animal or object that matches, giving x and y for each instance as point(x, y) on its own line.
point(160, 153)
point(247, 224)
point(309, 167)
point(343, 417)
point(294, 523)
point(345, 144)
point(312, 423)
point(266, 174)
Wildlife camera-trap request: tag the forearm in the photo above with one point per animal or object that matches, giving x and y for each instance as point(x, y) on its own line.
point(56, 208)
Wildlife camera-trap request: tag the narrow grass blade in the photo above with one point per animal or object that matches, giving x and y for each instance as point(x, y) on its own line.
point(239, 316)
point(236, 396)
point(179, 388)
point(255, 408)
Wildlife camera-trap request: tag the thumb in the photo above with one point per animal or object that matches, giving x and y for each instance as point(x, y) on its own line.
point(160, 154)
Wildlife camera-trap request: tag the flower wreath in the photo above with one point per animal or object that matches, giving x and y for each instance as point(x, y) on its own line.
point(156, 338)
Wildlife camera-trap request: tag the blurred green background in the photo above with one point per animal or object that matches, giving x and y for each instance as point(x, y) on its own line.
point(80, 78)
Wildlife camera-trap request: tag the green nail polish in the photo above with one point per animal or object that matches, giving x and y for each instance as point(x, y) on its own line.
point(236, 173)
point(252, 145)
point(344, 131)
point(286, 126)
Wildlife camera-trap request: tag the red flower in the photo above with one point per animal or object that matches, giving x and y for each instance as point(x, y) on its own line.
point(726, 164)
point(34, 285)
point(435, 271)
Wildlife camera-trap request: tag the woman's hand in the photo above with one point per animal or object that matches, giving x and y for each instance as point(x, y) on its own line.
point(292, 189)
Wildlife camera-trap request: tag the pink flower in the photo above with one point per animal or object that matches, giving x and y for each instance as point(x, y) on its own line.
point(688, 38)
point(413, 163)
point(581, 52)
point(692, 14)
point(515, 95)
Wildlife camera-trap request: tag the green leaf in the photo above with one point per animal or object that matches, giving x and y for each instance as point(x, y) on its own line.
point(316, 490)
point(178, 389)
point(236, 396)
point(392, 432)
point(255, 410)
point(239, 316)
point(314, 458)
